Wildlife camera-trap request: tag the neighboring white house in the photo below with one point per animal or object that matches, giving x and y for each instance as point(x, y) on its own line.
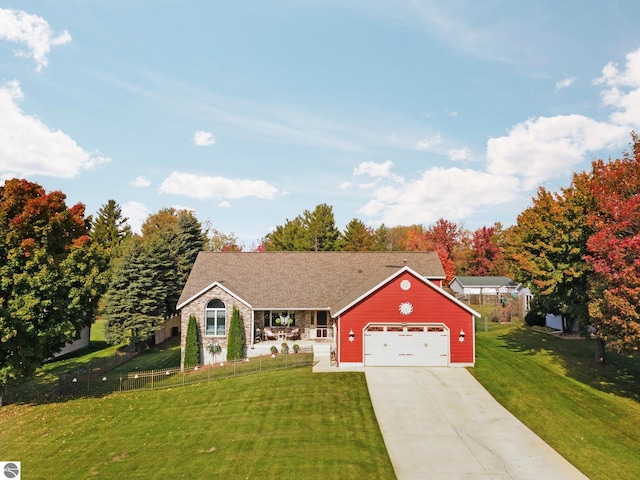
point(77, 344)
point(486, 289)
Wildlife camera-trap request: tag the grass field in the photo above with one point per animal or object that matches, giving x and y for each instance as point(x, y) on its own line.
point(588, 413)
point(295, 424)
point(283, 424)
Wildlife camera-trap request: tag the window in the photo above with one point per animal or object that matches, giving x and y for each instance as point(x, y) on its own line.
point(274, 318)
point(216, 318)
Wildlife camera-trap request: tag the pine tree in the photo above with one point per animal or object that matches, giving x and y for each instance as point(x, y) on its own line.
point(137, 302)
point(110, 227)
point(235, 342)
point(191, 344)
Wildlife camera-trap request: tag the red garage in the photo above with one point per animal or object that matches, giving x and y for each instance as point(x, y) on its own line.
point(406, 321)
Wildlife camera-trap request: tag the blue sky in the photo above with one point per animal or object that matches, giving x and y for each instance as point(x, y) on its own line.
point(251, 112)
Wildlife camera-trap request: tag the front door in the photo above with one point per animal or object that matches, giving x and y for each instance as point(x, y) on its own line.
point(321, 324)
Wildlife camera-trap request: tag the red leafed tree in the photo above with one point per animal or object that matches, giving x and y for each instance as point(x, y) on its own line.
point(485, 257)
point(443, 237)
point(51, 276)
point(614, 252)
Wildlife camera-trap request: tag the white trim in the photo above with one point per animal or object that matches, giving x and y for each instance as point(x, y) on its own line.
point(424, 280)
point(210, 287)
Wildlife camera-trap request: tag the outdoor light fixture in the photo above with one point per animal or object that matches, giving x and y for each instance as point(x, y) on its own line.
point(352, 336)
point(461, 337)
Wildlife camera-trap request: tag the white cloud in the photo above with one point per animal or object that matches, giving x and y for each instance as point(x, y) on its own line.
point(451, 193)
point(567, 82)
point(29, 147)
point(141, 182)
point(452, 113)
point(203, 139)
point(137, 213)
point(460, 154)
point(224, 204)
point(428, 143)
point(622, 91)
point(34, 31)
point(344, 185)
point(203, 187)
point(374, 169)
point(548, 147)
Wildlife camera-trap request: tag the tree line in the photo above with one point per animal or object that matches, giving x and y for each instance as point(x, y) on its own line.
point(577, 249)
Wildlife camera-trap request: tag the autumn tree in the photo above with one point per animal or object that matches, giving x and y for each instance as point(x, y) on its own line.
point(51, 277)
point(485, 255)
point(546, 251)
point(614, 252)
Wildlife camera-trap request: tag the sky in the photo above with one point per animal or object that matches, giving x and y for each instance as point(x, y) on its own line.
point(250, 112)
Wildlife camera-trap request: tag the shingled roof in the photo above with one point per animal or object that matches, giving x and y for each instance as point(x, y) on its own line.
point(302, 280)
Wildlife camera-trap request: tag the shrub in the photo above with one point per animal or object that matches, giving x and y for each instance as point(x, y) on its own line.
point(535, 317)
point(274, 349)
point(296, 348)
point(285, 348)
point(191, 344)
point(235, 341)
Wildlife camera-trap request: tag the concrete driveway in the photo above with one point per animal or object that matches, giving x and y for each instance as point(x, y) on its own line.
point(441, 424)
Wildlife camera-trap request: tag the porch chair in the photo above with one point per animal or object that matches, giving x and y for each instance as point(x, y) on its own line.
point(268, 334)
point(294, 334)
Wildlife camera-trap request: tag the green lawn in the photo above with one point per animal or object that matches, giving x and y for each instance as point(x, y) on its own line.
point(282, 424)
point(589, 414)
point(295, 424)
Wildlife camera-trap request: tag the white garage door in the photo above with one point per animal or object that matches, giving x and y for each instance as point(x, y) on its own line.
point(411, 345)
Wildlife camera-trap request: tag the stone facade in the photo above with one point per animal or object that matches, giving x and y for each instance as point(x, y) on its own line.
point(198, 308)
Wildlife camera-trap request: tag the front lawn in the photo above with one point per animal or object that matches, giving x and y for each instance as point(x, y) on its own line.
point(281, 424)
point(588, 413)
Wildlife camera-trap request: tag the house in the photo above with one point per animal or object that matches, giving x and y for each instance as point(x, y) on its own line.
point(375, 308)
point(480, 290)
point(79, 343)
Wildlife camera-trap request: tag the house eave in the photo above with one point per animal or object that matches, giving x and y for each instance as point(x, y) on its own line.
point(209, 287)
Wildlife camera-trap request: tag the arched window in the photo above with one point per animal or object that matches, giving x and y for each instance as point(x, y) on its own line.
point(216, 318)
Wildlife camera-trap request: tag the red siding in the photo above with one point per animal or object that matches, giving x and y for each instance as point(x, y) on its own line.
point(429, 306)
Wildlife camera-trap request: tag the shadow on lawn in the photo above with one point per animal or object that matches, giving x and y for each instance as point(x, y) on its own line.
point(620, 375)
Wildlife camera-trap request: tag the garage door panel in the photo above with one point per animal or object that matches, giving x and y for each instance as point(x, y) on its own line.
point(410, 346)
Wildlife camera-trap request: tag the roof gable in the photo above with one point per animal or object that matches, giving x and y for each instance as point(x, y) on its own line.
point(302, 280)
point(418, 277)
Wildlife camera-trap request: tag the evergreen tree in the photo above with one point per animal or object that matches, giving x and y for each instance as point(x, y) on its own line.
point(357, 237)
point(137, 300)
point(320, 226)
point(312, 231)
point(235, 341)
point(383, 243)
point(110, 227)
point(189, 242)
point(191, 344)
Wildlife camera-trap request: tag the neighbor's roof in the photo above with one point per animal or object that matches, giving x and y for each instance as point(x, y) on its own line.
point(302, 280)
point(485, 282)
